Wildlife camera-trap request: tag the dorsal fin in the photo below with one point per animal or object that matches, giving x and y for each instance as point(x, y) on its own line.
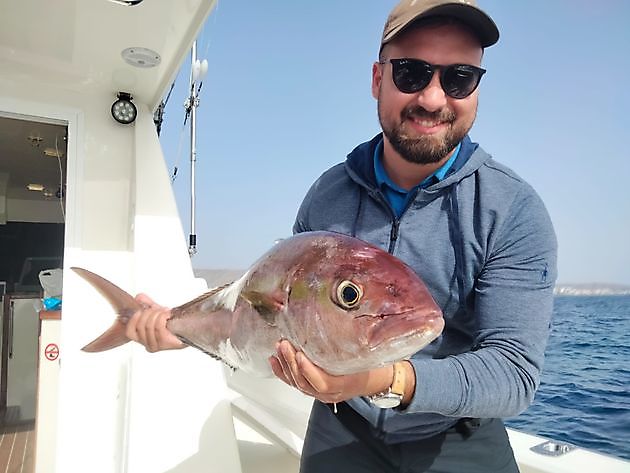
point(203, 296)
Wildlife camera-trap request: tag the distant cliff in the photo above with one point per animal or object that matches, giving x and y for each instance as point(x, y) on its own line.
point(593, 289)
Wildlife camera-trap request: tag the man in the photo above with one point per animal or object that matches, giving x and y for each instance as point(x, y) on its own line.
point(475, 232)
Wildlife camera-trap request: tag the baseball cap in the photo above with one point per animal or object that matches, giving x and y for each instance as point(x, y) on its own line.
point(467, 11)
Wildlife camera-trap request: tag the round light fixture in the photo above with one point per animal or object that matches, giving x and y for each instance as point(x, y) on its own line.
point(141, 57)
point(127, 3)
point(123, 109)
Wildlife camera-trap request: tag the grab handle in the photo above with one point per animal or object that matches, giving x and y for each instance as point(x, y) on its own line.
point(10, 341)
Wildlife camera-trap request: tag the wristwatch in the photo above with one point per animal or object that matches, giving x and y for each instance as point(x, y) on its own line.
point(393, 395)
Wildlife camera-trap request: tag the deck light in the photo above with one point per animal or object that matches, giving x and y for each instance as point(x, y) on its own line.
point(127, 3)
point(123, 109)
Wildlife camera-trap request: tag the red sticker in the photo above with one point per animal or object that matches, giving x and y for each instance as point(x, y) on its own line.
point(51, 352)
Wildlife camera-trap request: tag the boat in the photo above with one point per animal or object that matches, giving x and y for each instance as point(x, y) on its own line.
point(83, 182)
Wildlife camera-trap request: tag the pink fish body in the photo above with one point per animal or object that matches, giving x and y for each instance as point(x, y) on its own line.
point(348, 305)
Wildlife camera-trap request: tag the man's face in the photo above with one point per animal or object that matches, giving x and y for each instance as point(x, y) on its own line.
point(424, 127)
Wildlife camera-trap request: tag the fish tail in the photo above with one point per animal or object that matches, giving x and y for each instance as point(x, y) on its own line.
point(123, 303)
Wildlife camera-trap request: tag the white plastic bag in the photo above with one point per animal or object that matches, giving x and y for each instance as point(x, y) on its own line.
point(51, 280)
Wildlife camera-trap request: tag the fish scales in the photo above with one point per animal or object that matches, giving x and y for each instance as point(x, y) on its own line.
point(348, 305)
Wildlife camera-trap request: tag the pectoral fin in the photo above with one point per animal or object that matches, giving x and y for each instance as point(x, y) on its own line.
point(267, 305)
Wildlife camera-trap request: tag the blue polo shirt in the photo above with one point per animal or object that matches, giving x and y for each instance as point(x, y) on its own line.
point(397, 196)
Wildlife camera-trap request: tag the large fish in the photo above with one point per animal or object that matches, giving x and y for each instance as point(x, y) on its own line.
point(348, 305)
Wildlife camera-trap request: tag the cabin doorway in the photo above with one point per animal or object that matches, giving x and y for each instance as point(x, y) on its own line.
point(32, 226)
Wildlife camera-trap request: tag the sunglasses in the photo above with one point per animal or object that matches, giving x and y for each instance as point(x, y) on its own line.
point(457, 80)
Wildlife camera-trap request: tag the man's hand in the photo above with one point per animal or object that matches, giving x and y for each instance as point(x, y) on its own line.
point(295, 369)
point(148, 326)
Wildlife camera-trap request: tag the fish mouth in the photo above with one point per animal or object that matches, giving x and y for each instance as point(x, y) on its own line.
point(420, 326)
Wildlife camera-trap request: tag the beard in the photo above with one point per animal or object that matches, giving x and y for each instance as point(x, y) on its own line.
point(427, 149)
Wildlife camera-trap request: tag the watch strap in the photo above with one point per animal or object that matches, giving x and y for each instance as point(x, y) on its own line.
point(400, 379)
point(395, 392)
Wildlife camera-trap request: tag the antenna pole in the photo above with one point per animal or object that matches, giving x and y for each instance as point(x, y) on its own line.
point(193, 103)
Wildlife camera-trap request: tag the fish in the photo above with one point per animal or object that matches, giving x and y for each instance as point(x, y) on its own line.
point(348, 305)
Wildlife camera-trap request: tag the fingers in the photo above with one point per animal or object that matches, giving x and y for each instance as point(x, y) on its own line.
point(151, 328)
point(148, 326)
point(295, 369)
point(145, 300)
point(317, 378)
point(288, 365)
point(329, 388)
point(276, 367)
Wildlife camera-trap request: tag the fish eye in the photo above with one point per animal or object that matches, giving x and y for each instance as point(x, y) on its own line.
point(348, 294)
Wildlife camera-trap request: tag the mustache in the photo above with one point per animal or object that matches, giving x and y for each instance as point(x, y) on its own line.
point(419, 112)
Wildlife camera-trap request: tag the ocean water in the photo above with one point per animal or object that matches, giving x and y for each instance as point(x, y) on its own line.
point(584, 396)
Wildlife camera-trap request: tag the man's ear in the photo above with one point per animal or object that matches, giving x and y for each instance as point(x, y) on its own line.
point(377, 77)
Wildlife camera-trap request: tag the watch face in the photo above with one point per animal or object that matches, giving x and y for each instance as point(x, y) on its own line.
point(386, 401)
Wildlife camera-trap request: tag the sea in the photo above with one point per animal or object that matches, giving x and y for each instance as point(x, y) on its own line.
point(584, 395)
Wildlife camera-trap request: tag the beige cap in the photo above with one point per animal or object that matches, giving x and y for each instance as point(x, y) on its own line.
point(408, 11)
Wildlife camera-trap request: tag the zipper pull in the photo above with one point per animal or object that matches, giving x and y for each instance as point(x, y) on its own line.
point(393, 235)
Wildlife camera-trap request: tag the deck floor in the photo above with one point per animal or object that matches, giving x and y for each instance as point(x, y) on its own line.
point(17, 443)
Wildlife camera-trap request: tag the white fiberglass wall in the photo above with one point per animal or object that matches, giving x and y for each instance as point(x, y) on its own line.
point(124, 410)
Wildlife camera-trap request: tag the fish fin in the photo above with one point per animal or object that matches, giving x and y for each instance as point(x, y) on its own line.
point(113, 337)
point(123, 303)
point(265, 304)
point(203, 296)
point(213, 355)
point(217, 357)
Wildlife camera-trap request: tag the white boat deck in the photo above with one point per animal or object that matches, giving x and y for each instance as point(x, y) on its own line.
point(17, 442)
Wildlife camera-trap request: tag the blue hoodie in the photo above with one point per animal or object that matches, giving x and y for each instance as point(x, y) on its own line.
point(483, 243)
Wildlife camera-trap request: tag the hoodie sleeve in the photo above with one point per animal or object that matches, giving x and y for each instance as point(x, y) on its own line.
point(512, 304)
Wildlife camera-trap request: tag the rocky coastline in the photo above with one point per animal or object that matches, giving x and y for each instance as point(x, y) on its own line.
point(591, 290)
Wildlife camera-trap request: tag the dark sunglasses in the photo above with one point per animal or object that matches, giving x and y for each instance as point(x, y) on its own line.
point(458, 80)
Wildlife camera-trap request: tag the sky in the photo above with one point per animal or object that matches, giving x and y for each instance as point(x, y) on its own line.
point(288, 95)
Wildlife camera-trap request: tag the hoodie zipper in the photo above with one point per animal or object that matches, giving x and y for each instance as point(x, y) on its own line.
point(394, 230)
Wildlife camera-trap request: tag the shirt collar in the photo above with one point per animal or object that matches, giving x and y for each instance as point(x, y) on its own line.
point(382, 178)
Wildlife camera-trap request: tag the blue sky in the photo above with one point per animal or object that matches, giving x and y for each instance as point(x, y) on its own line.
point(288, 95)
